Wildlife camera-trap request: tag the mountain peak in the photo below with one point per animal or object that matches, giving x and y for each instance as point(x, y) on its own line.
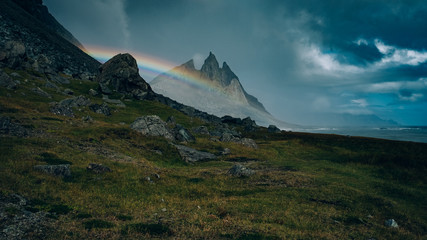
point(210, 68)
point(227, 74)
point(189, 65)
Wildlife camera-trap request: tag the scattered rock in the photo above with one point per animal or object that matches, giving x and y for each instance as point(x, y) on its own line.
point(201, 130)
point(115, 101)
point(391, 223)
point(65, 106)
point(51, 85)
point(247, 142)
point(192, 155)
point(121, 74)
point(225, 151)
point(182, 134)
point(101, 109)
point(87, 119)
point(240, 171)
point(273, 129)
point(171, 120)
point(93, 92)
point(152, 125)
point(58, 79)
point(13, 54)
point(40, 92)
point(62, 170)
point(7, 127)
point(6, 81)
point(98, 168)
point(68, 91)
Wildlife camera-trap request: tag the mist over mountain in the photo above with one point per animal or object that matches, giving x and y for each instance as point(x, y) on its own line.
point(214, 89)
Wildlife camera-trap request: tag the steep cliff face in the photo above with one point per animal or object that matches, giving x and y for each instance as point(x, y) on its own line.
point(36, 9)
point(30, 39)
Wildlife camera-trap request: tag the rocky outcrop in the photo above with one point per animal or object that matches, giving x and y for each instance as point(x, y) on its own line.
point(6, 81)
point(273, 129)
point(101, 109)
point(28, 42)
point(7, 127)
point(41, 92)
point(24, 222)
point(152, 126)
point(192, 155)
point(121, 74)
point(247, 142)
point(61, 170)
point(65, 107)
point(240, 171)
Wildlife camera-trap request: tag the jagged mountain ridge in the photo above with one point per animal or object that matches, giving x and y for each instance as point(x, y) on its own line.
point(225, 96)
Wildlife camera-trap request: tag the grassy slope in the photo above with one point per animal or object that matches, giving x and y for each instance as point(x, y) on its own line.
point(306, 186)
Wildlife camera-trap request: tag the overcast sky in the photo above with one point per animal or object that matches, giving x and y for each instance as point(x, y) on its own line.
point(299, 58)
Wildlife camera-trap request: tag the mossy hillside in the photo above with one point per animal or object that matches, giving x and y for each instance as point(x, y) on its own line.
point(306, 186)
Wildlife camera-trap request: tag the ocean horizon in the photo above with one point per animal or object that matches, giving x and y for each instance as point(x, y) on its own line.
point(399, 133)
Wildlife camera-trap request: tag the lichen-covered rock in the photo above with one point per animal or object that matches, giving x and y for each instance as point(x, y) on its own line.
point(61, 170)
point(98, 168)
point(121, 74)
point(192, 155)
point(152, 125)
point(240, 171)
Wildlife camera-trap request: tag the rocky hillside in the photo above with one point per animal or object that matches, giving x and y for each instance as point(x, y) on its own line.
point(36, 9)
point(215, 90)
point(30, 38)
point(105, 157)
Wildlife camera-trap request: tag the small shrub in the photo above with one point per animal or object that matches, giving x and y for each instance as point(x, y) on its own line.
point(97, 223)
point(83, 215)
point(60, 209)
point(124, 217)
point(52, 159)
point(152, 229)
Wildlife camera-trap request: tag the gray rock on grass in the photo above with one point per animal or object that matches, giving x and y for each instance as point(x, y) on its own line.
point(61, 170)
point(192, 155)
point(152, 125)
point(240, 171)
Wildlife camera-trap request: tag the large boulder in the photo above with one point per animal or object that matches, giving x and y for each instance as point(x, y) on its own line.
point(121, 74)
point(152, 125)
point(192, 155)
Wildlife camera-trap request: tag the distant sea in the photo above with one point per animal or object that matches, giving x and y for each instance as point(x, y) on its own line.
point(414, 134)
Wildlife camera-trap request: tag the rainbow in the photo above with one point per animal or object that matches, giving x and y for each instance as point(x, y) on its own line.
point(151, 66)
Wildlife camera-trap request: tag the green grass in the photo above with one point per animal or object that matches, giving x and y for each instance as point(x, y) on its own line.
point(306, 186)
